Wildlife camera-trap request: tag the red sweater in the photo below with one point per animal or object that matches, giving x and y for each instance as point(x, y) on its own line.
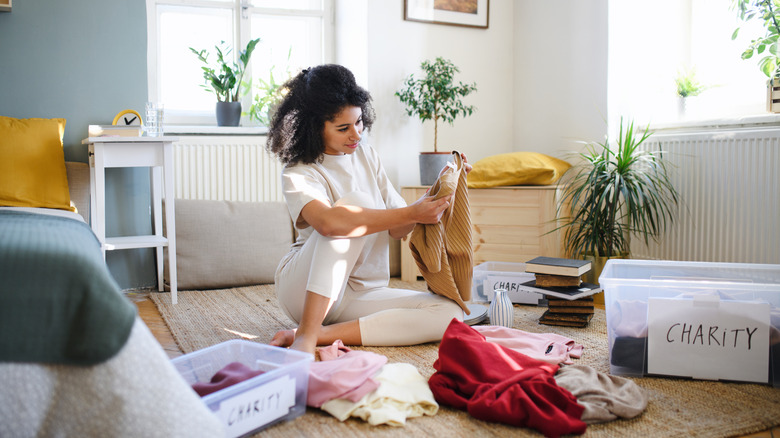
point(494, 383)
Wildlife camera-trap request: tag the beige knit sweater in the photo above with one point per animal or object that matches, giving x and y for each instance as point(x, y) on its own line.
point(444, 251)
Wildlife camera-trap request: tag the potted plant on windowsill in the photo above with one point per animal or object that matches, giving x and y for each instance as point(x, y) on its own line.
point(268, 94)
point(435, 96)
point(687, 86)
point(612, 193)
point(767, 12)
point(225, 78)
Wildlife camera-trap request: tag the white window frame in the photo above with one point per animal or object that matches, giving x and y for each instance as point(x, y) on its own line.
point(638, 80)
point(241, 29)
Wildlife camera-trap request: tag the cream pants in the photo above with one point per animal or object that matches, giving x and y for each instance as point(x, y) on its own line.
point(386, 316)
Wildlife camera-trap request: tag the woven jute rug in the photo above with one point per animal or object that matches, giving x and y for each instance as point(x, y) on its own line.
point(677, 407)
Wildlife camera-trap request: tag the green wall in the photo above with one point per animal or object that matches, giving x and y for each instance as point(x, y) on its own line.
point(84, 60)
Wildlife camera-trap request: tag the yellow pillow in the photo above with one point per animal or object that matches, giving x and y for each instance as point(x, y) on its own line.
point(516, 169)
point(32, 164)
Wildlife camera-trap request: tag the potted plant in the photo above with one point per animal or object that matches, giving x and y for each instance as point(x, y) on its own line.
point(687, 86)
point(435, 97)
point(268, 94)
point(767, 12)
point(613, 192)
point(225, 78)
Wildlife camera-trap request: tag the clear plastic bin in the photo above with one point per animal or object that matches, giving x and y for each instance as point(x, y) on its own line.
point(509, 275)
point(278, 394)
point(708, 312)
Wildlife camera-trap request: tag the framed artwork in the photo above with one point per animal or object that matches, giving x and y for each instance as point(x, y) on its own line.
point(469, 13)
point(5, 5)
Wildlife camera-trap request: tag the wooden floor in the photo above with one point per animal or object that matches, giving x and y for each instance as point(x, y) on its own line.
point(151, 316)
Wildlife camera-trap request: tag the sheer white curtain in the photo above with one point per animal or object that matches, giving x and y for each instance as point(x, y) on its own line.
point(650, 41)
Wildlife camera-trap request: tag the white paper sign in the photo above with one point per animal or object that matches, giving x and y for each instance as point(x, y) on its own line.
point(708, 338)
point(511, 285)
point(257, 406)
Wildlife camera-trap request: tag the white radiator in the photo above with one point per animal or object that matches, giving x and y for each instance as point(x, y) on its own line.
point(233, 168)
point(729, 184)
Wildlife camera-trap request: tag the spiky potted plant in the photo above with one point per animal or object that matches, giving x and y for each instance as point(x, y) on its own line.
point(614, 192)
point(435, 96)
point(225, 79)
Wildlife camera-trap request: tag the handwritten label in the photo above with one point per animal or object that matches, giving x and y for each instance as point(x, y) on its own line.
point(512, 285)
point(258, 406)
point(708, 339)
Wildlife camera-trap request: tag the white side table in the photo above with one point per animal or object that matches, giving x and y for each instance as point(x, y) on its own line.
point(154, 152)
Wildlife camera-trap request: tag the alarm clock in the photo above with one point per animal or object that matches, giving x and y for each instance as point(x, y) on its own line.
point(127, 117)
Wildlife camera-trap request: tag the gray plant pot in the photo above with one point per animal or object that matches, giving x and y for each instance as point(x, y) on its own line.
point(431, 163)
point(228, 113)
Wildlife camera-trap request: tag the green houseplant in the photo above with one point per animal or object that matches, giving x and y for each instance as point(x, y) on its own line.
point(224, 78)
point(435, 96)
point(614, 192)
point(268, 94)
point(767, 12)
point(688, 85)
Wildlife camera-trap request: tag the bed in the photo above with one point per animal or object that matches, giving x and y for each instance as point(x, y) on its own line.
point(75, 358)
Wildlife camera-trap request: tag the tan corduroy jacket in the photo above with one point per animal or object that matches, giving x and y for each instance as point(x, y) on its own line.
point(443, 251)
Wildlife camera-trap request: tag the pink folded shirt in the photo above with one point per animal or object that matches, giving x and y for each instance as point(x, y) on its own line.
point(342, 373)
point(548, 347)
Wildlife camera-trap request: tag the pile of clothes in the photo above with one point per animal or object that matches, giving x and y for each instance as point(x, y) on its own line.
point(494, 373)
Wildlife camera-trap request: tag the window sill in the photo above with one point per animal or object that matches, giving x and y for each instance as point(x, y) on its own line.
point(215, 130)
point(730, 123)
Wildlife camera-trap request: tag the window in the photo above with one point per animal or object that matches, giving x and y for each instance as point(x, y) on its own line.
point(294, 34)
point(651, 41)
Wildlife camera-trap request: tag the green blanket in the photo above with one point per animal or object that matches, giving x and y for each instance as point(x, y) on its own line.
point(58, 302)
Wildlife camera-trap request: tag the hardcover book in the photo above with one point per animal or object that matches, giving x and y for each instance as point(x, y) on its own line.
point(557, 266)
point(567, 320)
point(582, 302)
point(566, 292)
point(547, 280)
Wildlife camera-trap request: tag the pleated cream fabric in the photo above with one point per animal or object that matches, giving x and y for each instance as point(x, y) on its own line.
point(443, 251)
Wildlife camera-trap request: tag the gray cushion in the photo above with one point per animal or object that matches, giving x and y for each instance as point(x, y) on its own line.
point(221, 244)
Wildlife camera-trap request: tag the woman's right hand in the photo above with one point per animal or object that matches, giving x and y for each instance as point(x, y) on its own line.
point(428, 210)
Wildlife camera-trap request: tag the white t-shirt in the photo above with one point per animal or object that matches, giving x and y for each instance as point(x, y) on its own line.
point(329, 181)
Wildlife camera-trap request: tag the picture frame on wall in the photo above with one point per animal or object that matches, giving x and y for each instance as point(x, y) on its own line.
point(468, 13)
point(5, 5)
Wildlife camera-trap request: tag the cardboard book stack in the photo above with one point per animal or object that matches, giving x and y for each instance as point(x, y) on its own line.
point(569, 300)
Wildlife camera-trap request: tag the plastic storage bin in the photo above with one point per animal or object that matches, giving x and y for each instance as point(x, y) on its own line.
point(509, 275)
point(715, 321)
point(278, 394)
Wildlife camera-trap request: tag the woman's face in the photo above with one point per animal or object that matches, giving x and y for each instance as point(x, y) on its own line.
point(342, 134)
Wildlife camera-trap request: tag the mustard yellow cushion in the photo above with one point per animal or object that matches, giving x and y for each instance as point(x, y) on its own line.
point(516, 169)
point(32, 164)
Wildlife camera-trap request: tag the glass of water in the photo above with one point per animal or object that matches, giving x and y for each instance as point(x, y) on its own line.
point(155, 114)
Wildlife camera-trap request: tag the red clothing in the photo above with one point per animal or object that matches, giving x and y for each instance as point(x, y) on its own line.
point(232, 373)
point(494, 383)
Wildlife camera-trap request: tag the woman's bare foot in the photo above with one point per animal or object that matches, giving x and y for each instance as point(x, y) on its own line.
point(307, 344)
point(283, 338)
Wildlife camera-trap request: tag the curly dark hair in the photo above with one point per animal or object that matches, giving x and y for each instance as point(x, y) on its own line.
point(314, 96)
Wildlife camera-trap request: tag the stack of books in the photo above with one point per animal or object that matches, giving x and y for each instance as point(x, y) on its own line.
point(114, 130)
point(570, 300)
point(569, 313)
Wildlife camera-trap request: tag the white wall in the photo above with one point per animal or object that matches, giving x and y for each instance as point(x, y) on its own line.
point(396, 49)
point(560, 64)
point(540, 69)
